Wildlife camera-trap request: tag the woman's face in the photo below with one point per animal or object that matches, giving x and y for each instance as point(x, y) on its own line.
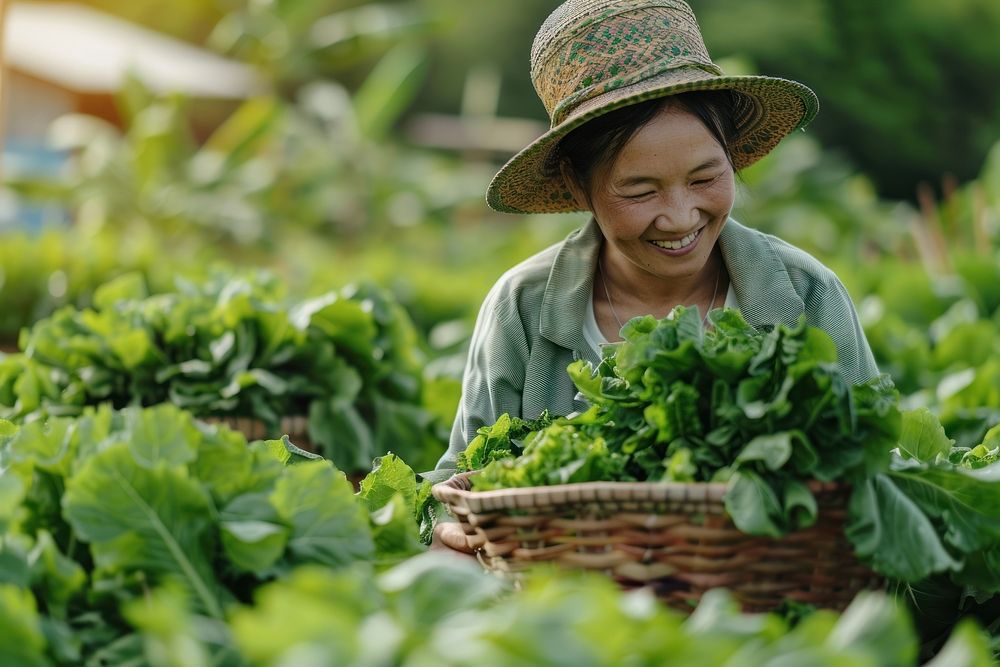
point(663, 202)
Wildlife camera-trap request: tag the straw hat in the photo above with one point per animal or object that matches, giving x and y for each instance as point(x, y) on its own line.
point(593, 56)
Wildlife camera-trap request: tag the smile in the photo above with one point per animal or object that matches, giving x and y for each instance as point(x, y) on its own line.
point(681, 243)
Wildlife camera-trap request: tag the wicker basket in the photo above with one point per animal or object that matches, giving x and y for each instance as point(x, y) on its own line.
point(675, 538)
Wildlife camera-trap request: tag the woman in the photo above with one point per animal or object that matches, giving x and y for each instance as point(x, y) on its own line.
point(648, 136)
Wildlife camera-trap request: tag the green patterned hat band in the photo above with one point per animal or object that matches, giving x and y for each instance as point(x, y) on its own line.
point(589, 47)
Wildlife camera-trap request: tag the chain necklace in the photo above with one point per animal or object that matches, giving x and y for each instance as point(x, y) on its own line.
point(607, 293)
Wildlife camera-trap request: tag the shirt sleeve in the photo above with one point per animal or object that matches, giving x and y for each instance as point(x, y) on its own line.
point(493, 380)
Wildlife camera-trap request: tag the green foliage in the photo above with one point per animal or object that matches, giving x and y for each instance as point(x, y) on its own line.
point(298, 40)
point(233, 346)
point(39, 274)
point(146, 520)
point(122, 576)
point(817, 201)
point(436, 610)
point(897, 75)
point(500, 440)
point(274, 169)
point(763, 412)
point(766, 413)
point(22, 642)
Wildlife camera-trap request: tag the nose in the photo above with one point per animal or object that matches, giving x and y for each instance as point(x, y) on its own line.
point(675, 214)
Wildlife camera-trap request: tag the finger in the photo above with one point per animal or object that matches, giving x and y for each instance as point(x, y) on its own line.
point(453, 537)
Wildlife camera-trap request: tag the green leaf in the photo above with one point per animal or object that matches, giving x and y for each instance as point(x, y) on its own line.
point(284, 451)
point(773, 450)
point(151, 519)
point(922, 437)
point(245, 130)
point(800, 505)
point(753, 505)
point(967, 502)
point(253, 536)
point(990, 440)
point(168, 629)
point(131, 347)
point(227, 467)
point(389, 476)
point(968, 646)
point(12, 493)
point(124, 651)
point(888, 529)
point(328, 525)
point(21, 642)
point(429, 587)
point(46, 443)
point(342, 433)
point(595, 387)
point(54, 576)
point(7, 430)
point(389, 89)
point(160, 434)
point(875, 625)
point(329, 609)
point(14, 566)
point(395, 531)
point(343, 320)
point(126, 287)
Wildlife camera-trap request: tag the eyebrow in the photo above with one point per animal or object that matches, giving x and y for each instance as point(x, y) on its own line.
point(636, 180)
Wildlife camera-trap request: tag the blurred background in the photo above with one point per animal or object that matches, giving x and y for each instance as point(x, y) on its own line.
point(334, 142)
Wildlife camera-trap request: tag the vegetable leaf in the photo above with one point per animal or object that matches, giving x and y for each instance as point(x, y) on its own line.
point(327, 525)
point(153, 519)
point(922, 436)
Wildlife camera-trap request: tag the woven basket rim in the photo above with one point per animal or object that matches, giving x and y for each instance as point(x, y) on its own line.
point(456, 491)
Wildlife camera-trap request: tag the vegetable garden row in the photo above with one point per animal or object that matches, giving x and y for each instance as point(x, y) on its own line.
point(134, 531)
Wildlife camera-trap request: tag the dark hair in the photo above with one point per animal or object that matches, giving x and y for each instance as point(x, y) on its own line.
point(599, 141)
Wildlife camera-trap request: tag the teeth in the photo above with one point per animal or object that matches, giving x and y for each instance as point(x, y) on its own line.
point(677, 245)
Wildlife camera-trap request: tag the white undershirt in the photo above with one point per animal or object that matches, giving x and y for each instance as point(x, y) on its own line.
point(592, 333)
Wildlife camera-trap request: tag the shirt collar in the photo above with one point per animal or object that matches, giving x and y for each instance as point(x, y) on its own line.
point(570, 285)
point(759, 278)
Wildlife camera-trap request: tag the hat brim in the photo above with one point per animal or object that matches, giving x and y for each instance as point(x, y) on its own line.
point(528, 184)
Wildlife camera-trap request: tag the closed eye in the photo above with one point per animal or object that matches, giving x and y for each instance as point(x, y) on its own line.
point(706, 181)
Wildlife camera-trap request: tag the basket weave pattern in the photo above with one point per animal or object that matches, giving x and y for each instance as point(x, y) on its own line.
point(675, 538)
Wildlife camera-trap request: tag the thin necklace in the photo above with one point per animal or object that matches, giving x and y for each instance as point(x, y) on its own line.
point(607, 293)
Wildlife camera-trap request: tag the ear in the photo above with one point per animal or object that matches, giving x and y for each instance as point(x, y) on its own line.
point(580, 198)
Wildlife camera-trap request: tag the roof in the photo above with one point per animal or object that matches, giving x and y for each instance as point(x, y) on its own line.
point(87, 51)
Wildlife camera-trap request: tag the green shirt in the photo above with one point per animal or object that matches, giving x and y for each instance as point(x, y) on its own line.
point(530, 326)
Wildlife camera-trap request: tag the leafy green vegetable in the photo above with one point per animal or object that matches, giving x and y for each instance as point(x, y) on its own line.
point(500, 440)
point(154, 520)
point(101, 509)
point(674, 401)
point(232, 346)
point(21, 642)
point(922, 436)
point(889, 528)
point(984, 454)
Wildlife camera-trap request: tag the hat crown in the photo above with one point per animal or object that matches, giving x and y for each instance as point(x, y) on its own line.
point(588, 47)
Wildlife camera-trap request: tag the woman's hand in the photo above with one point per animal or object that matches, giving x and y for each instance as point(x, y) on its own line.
point(449, 537)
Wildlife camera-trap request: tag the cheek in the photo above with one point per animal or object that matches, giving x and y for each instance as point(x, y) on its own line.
point(624, 219)
point(720, 199)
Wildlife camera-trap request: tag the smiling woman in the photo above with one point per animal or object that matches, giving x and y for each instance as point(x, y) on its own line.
point(661, 200)
point(647, 135)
